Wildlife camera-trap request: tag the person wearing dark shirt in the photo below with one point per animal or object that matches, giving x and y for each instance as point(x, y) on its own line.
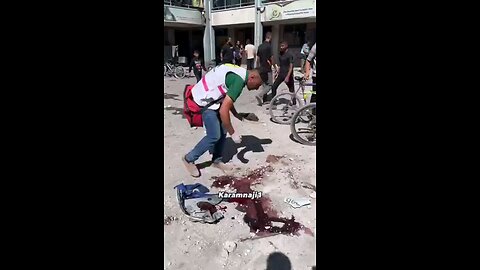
point(226, 54)
point(285, 73)
point(238, 51)
point(197, 65)
point(265, 62)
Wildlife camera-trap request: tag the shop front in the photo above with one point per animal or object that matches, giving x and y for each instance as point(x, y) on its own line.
point(183, 27)
point(293, 22)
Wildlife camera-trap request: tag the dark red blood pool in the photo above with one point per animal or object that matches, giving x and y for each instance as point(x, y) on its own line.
point(259, 214)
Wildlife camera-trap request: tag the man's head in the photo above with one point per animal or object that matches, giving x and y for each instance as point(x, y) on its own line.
point(254, 81)
point(229, 40)
point(248, 41)
point(268, 36)
point(196, 53)
point(238, 42)
point(283, 47)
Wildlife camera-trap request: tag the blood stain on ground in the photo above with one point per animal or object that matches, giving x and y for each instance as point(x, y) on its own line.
point(259, 214)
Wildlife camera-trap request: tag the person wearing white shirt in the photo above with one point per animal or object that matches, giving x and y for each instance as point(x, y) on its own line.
point(251, 52)
point(305, 51)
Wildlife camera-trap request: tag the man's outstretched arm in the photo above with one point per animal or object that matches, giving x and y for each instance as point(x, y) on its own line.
point(308, 64)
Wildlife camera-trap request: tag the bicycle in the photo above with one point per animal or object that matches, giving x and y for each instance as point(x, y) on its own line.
point(305, 115)
point(290, 101)
point(172, 69)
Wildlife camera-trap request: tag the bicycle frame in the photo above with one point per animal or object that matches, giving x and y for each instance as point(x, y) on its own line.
point(170, 68)
point(302, 85)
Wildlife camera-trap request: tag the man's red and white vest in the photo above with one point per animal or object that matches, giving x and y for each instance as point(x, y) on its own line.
point(212, 85)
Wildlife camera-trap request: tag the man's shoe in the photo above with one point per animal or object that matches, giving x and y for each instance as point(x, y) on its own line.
point(222, 166)
point(191, 168)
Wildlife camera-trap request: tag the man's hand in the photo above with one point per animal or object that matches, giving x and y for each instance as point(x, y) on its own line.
point(236, 138)
point(287, 79)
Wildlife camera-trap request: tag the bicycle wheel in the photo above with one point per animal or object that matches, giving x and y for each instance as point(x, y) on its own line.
point(283, 106)
point(179, 72)
point(305, 132)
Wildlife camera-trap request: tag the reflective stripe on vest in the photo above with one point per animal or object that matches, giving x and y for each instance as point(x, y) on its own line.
point(204, 82)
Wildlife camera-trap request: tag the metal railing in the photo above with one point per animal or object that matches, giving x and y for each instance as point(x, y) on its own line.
point(196, 4)
point(227, 4)
point(217, 4)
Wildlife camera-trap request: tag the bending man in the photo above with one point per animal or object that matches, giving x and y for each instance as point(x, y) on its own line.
point(225, 80)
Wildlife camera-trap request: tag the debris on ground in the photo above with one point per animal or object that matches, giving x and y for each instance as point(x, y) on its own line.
point(168, 220)
point(258, 237)
point(293, 182)
point(297, 202)
point(273, 158)
point(197, 204)
point(251, 117)
point(309, 186)
point(230, 246)
point(270, 242)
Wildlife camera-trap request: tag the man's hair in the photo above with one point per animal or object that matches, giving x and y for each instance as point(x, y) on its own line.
point(268, 35)
point(196, 51)
point(284, 43)
point(248, 41)
point(255, 70)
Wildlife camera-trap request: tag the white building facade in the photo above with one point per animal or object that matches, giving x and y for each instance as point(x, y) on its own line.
point(292, 21)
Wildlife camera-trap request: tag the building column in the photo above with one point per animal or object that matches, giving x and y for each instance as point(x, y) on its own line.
point(209, 34)
point(258, 28)
point(275, 41)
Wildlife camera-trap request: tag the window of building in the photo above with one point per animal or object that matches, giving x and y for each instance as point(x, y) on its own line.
point(185, 3)
point(224, 4)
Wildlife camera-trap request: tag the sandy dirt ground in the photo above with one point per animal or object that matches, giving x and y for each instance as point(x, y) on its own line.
point(197, 246)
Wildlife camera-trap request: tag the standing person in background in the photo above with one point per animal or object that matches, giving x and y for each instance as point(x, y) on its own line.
point(312, 62)
point(238, 51)
point(226, 54)
point(197, 65)
point(285, 74)
point(305, 50)
point(265, 62)
point(251, 53)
